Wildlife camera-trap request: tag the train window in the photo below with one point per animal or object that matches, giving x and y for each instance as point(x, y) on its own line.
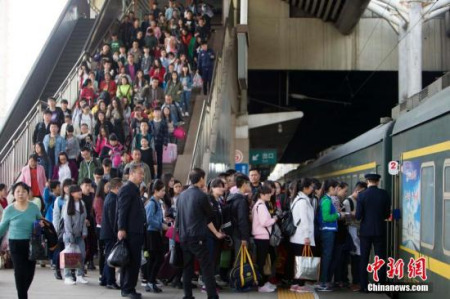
point(447, 177)
point(446, 209)
point(427, 203)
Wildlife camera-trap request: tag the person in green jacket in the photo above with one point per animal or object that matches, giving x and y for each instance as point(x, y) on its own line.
point(19, 218)
point(87, 166)
point(174, 87)
point(328, 216)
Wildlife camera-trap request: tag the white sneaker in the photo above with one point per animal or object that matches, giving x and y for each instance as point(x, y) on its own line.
point(186, 114)
point(80, 279)
point(272, 286)
point(220, 282)
point(69, 281)
point(265, 289)
point(200, 282)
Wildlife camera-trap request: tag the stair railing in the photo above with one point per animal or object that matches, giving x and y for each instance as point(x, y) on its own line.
point(16, 155)
point(18, 148)
point(206, 128)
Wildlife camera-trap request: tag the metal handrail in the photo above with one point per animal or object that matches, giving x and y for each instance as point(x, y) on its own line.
point(207, 102)
point(18, 147)
point(31, 113)
point(72, 71)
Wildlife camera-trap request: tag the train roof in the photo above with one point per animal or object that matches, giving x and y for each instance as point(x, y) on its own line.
point(365, 140)
point(438, 104)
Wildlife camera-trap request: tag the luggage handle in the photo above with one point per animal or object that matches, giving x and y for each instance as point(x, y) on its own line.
point(241, 270)
point(307, 251)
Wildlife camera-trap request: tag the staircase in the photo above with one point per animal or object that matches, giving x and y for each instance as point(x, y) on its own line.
point(69, 56)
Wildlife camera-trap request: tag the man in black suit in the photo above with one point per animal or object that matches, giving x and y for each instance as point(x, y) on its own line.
point(131, 221)
point(374, 206)
point(194, 219)
point(108, 231)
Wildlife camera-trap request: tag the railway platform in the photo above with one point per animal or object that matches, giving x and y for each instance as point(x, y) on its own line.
point(45, 286)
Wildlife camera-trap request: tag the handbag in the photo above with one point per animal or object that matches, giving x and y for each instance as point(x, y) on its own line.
point(37, 245)
point(119, 256)
point(5, 260)
point(244, 276)
point(70, 257)
point(176, 254)
point(37, 248)
point(179, 133)
point(307, 266)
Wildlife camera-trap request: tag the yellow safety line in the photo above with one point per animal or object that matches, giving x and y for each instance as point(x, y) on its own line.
point(428, 150)
point(371, 165)
point(286, 294)
point(434, 265)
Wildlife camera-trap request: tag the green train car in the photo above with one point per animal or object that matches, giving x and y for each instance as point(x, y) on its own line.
point(420, 141)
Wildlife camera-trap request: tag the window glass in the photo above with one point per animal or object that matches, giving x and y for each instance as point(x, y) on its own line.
point(447, 179)
point(447, 224)
point(427, 205)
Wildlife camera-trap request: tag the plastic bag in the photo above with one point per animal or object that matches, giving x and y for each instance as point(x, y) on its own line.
point(197, 81)
point(119, 256)
point(70, 257)
point(307, 266)
point(176, 256)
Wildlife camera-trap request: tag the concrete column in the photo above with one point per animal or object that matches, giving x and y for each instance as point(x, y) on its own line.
point(410, 52)
point(414, 50)
point(402, 64)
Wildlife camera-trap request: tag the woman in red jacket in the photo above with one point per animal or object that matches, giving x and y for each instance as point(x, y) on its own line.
point(88, 92)
point(157, 70)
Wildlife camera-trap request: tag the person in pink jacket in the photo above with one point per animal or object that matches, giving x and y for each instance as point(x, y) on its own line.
point(261, 228)
point(34, 176)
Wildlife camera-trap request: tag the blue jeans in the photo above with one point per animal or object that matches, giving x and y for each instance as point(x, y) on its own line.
point(327, 238)
point(80, 271)
point(185, 100)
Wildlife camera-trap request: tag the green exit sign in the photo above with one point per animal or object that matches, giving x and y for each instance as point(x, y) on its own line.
point(263, 156)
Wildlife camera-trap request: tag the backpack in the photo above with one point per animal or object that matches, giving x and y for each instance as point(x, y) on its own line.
point(352, 205)
point(288, 227)
point(61, 220)
point(276, 236)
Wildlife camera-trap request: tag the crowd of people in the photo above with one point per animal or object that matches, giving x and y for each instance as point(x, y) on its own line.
point(152, 217)
point(96, 174)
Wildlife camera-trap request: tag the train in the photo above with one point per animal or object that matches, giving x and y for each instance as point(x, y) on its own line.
point(419, 141)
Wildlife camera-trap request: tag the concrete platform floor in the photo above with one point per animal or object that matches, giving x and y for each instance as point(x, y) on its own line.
point(45, 286)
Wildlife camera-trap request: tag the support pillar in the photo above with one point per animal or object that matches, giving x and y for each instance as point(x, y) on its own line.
point(414, 51)
point(402, 64)
point(410, 52)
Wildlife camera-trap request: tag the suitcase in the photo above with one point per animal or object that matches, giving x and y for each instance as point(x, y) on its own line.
point(170, 153)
